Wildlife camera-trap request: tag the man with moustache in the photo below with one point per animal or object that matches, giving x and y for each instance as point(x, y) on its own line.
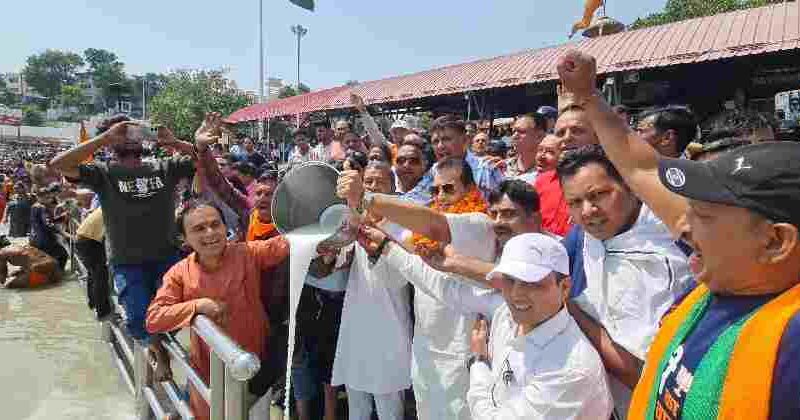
point(730, 348)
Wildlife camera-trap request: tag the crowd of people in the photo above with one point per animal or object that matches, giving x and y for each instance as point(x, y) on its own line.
point(592, 264)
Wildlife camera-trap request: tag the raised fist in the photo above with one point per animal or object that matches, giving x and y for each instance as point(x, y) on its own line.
point(578, 73)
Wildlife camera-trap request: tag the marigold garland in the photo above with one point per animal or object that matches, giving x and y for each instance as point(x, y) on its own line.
point(471, 202)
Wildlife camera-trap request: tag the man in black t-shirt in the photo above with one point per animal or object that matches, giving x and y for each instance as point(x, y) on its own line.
point(138, 202)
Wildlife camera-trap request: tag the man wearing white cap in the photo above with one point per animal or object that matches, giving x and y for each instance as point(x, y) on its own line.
point(537, 363)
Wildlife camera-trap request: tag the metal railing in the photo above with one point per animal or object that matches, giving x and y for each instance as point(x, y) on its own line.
point(231, 368)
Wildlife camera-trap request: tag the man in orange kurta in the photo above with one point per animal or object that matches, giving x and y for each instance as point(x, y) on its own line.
point(221, 280)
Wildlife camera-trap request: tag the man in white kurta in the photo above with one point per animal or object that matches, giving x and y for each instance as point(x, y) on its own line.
point(373, 352)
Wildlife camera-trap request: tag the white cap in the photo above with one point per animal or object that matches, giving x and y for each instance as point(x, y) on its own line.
point(401, 123)
point(531, 257)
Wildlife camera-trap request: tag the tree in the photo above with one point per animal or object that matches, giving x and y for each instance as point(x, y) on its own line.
point(49, 71)
point(32, 117)
point(677, 10)
point(352, 83)
point(107, 71)
point(289, 91)
point(71, 95)
point(188, 95)
point(7, 97)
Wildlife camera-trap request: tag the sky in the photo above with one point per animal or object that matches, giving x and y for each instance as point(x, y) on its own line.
point(347, 39)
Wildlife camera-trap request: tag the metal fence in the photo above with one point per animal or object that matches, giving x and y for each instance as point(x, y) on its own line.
point(226, 394)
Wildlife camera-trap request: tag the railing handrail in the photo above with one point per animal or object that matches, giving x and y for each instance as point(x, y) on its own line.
point(242, 365)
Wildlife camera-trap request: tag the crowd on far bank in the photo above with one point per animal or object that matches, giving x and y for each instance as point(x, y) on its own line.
point(581, 263)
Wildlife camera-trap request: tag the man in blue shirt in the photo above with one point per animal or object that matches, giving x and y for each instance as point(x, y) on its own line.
point(449, 139)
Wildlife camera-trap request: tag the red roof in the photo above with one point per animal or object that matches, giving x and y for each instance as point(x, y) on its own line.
point(745, 32)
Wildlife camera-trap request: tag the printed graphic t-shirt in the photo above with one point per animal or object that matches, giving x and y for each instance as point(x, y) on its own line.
point(138, 207)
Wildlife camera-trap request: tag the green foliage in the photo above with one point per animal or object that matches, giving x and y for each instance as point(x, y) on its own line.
point(188, 95)
point(71, 95)
point(6, 96)
point(49, 71)
point(32, 117)
point(289, 91)
point(107, 71)
point(677, 10)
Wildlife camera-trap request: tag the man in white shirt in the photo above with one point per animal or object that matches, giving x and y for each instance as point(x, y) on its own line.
point(537, 363)
point(302, 150)
point(376, 312)
point(626, 269)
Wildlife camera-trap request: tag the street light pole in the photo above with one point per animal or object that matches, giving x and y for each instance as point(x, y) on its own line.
point(300, 32)
point(144, 98)
point(261, 51)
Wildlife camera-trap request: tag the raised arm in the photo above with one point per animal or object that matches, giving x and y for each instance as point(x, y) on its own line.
point(416, 218)
point(208, 169)
point(375, 133)
point(633, 157)
point(67, 162)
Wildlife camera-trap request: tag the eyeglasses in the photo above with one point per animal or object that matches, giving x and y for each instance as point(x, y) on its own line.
point(448, 189)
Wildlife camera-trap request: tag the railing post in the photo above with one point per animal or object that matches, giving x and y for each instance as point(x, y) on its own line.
point(217, 382)
point(142, 377)
point(235, 398)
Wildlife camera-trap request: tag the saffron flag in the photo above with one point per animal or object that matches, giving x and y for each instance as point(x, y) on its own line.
point(589, 8)
point(84, 137)
point(305, 4)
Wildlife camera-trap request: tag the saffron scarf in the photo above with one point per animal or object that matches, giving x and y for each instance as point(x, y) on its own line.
point(471, 202)
point(734, 379)
point(257, 230)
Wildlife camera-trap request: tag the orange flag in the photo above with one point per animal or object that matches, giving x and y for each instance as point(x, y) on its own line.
point(588, 12)
point(83, 138)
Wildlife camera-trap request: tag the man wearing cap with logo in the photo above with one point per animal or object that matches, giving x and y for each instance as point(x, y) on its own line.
point(536, 363)
point(731, 348)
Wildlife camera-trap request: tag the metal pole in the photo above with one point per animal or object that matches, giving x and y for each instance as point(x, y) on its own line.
point(261, 51)
point(235, 398)
point(217, 380)
point(144, 98)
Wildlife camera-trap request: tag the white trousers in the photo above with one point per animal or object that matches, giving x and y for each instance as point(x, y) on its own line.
point(389, 406)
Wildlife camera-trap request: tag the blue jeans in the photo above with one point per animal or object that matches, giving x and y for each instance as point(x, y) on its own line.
point(136, 285)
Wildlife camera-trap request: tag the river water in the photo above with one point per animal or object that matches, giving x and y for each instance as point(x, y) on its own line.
point(53, 363)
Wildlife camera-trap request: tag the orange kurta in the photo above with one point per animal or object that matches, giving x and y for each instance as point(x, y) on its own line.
point(237, 285)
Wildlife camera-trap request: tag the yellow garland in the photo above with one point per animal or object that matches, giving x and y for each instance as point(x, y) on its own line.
point(471, 202)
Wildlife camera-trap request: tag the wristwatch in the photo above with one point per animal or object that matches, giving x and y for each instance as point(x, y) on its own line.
point(476, 357)
point(366, 202)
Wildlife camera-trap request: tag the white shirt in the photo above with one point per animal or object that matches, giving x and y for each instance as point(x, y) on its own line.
point(632, 279)
point(441, 334)
point(559, 374)
point(551, 373)
point(373, 353)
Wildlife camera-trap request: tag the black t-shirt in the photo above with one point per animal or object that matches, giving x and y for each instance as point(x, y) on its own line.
point(138, 207)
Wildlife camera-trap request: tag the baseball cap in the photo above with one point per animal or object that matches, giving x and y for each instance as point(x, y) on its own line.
point(762, 177)
point(531, 257)
point(547, 111)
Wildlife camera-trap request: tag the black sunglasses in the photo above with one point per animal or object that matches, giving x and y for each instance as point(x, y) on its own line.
point(448, 189)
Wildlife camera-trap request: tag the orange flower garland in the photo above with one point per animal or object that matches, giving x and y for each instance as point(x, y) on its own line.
point(471, 202)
